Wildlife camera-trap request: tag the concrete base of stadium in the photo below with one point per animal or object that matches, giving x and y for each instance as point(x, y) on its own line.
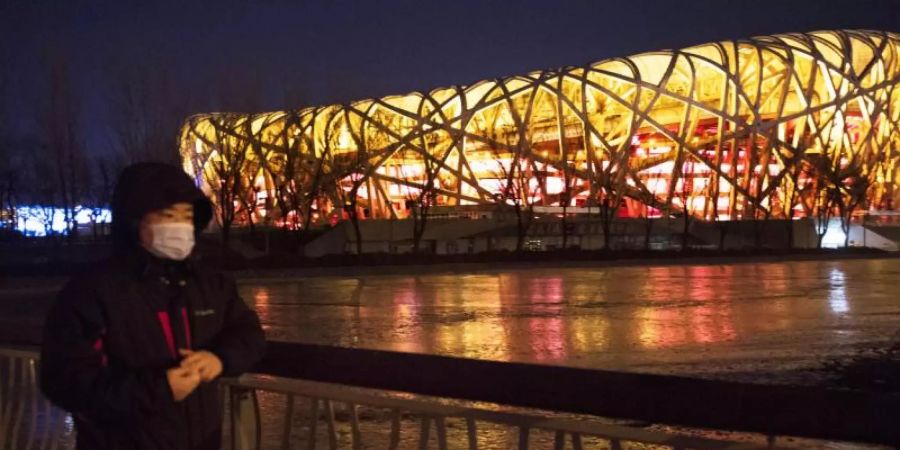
point(466, 235)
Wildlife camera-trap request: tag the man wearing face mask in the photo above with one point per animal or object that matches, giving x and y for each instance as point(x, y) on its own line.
point(133, 347)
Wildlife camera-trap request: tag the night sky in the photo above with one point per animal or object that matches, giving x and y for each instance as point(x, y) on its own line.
point(275, 54)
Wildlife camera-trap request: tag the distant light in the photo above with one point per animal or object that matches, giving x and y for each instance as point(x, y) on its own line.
point(834, 235)
point(33, 220)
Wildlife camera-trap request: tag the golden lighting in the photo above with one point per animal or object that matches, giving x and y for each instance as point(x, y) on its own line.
point(702, 118)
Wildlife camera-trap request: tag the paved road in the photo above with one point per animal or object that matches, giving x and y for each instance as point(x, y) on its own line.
point(759, 322)
point(750, 321)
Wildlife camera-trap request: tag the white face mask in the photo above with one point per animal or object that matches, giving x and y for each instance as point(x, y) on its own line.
point(171, 240)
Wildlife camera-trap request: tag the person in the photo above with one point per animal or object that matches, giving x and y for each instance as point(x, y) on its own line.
point(133, 347)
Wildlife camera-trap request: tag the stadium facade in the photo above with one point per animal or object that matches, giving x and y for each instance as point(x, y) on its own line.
point(774, 126)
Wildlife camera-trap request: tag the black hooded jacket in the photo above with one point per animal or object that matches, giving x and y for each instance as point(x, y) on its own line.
point(112, 333)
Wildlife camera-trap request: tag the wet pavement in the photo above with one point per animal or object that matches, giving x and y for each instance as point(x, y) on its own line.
point(755, 322)
point(758, 322)
point(749, 321)
point(761, 322)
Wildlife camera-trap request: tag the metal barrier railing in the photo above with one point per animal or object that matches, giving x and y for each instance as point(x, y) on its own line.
point(808, 412)
point(427, 414)
point(28, 421)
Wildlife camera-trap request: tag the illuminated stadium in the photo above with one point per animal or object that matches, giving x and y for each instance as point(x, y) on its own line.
point(774, 126)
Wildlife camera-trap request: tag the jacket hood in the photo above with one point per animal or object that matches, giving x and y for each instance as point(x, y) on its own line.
point(148, 186)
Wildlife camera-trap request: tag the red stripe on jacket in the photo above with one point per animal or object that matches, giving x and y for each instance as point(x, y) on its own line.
point(98, 347)
point(166, 325)
point(167, 330)
point(187, 328)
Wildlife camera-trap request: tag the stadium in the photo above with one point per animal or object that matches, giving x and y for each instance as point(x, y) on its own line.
point(783, 127)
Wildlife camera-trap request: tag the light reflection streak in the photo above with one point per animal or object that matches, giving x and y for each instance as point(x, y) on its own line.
point(475, 329)
point(837, 291)
point(685, 307)
point(260, 302)
point(613, 316)
point(405, 315)
point(546, 326)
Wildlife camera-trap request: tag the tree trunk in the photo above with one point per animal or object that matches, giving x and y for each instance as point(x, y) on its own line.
point(823, 221)
point(790, 230)
point(606, 234)
point(94, 219)
point(250, 223)
point(648, 230)
point(820, 235)
point(606, 218)
point(10, 203)
point(354, 219)
point(418, 229)
point(520, 229)
point(723, 230)
point(757, 239)
point(71, 223)
point(845, 227)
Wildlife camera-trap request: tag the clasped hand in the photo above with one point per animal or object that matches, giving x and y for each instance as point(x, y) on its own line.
point(196, 367)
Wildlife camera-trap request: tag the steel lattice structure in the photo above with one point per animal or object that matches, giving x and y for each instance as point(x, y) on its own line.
point(777, 126)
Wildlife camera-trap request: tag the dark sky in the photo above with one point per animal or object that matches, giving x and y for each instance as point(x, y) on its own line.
point(334, 51)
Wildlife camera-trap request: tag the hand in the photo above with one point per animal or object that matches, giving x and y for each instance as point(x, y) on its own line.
point(207, 364)
point(182, 381)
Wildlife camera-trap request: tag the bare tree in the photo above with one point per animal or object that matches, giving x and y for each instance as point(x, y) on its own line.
point(565, 198)
point(13, 161)
point(229, 169)
point(236, 143)
point(347, 172)
point(760, 185)
point(648, 226)
point(520, 183)
point(283, 167)
point(421, 198)
point(855, 188)
point(827, 194)
point(8, 173)
point(567, 162)
point(349, 200)
point(254, 167)
point(101, 196)
point(65, 147)
point(9, 177)
point(792, 189)
point(248, 198)
point(311, 183)
point(607, 180)
point(608, 208)
point(145, 109)
point(425, 195)
point(42, 196)
point(841, 187)
point(298, 177)
point(8, 198)
point(686, 195)
point(570, 182)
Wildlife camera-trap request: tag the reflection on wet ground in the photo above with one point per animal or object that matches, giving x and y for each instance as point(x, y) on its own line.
point(732, 320)
point(760, 322)
point(750, 322)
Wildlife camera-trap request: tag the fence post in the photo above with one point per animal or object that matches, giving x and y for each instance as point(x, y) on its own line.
point(245, 427)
